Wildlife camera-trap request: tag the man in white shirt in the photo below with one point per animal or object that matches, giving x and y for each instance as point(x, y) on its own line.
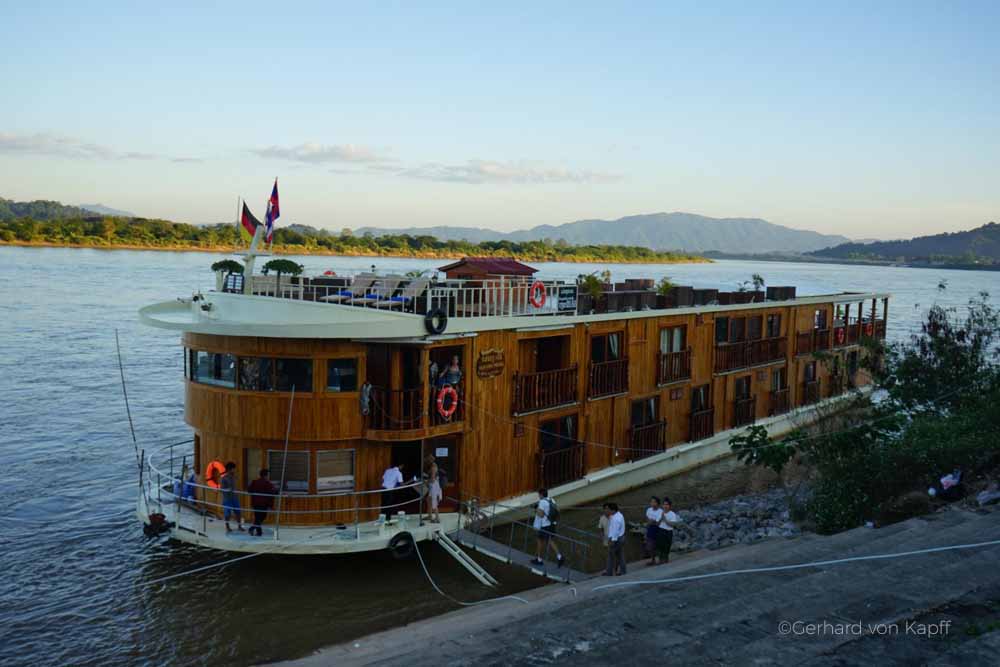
point(616, 540)
point(545, 528)
point(668, 522)
point(391, 478)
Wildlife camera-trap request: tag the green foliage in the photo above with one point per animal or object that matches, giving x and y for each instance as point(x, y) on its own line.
point(135, 232)
point(937, 412)
point(664, 286)
point(227, 265)
point(590, 284)
point(282, 266)
point(758, 281)
point(754, 447)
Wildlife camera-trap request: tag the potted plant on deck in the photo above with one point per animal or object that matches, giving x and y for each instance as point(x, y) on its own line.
point(223, 269)
point(280, 266)
point(665, 293)
point(591, 294)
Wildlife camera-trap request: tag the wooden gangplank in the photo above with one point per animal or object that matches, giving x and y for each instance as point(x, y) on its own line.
point(507, 554)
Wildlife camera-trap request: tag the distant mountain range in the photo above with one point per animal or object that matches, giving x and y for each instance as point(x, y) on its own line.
point(972, 246)
point(40, 209)
point(659, 231)
point(101, 209)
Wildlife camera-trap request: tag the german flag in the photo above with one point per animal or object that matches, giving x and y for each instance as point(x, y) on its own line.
point(248, 223)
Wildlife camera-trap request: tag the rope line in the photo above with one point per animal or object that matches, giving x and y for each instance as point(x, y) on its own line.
point(437, 588)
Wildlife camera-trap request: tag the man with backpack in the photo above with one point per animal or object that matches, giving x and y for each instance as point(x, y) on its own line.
point(546, 520)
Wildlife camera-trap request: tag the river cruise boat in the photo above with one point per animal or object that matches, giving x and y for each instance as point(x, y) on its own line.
point(509, 380)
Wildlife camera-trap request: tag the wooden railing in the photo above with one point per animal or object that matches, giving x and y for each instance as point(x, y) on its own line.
point(745, 411)
point(608, 377)
point(544, 389)
point(810, 392)
point(768, 349)
point(702, 425)
point(395, 409)
point(559, 466)
point(673, 366)
point(730, 356)
point(880, 329)
point(836, 385)
point(437, 419)
point(812, 341)
point(779, 402)
point(853, 333)
point(647, 440)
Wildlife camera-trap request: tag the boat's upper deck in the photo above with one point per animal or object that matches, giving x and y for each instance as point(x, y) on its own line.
point(370, 306)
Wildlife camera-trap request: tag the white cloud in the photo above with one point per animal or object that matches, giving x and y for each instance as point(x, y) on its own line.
point(45, 143)
point(315, 153)
point(490, 171)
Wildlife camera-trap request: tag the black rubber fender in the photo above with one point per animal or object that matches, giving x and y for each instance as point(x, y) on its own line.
point(402, 545)
point(436, 321)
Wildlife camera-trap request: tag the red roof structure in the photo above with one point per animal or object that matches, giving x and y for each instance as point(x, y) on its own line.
point(481, 267)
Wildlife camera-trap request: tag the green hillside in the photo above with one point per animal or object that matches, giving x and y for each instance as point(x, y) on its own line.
point(975, 246)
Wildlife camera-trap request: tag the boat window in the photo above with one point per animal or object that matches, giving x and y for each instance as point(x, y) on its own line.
point(557, 434)
point(743, 388)
point(292, 477)
point(700, 399)
point(256, 374)
point(212, 368)
point(342, 375)
point(645, 411)
point(335, 471)
point(738, 330)
point(293, 373)
point(778, 379)
point(755, 326)
point(819, 319)
point(605, 348)
point(721, 329)
point(774, 326)
point(672, 339)
point(811, 371)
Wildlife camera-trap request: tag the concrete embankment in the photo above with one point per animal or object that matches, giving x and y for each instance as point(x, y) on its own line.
point(931, 608)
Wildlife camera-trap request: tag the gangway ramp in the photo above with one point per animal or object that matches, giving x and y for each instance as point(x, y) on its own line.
point(507, 554)
point(464, 559)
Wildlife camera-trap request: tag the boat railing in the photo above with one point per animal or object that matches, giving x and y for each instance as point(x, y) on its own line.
point(673, 366)
point(497, 522)
point(779, 402)
point(561, 465)
point(497, 297)
point(608, 378)
point(163, 473)
point(544, 389)
point(702, 424)
point(745, 411)
point(810, 392)
point(396, 409)
point(647, 440)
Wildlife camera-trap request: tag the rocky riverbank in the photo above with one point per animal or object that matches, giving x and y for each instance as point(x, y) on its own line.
point(743, 519)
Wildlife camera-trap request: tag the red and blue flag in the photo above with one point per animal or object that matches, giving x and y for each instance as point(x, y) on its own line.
point(273, 213)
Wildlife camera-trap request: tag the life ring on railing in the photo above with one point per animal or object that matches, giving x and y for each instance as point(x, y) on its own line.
point(435, 321)
point(840, 335)
point(869, 329)
point(445, 392)
point(213, 471)
point(537, 294)
point(402, 545)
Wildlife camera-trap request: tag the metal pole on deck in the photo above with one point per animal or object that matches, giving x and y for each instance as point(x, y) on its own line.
point(284, 462)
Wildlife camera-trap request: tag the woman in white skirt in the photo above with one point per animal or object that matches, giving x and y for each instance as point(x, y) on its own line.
point(434, 490)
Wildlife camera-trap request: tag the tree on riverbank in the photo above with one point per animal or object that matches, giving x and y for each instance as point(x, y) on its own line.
point(107, 232)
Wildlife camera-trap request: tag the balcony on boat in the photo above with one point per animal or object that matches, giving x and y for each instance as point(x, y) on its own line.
point(396, 409)
point(811, 341)
point(543, 390)
point(810, 392)
point(779, 402)
point(647, 440)
point(562, 464)
point(744, 411)
point(608, 378)
point(734, 356)
point(702, 425)
point(673, 366)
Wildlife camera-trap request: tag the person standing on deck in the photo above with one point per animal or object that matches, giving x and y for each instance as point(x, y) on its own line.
point(665, 538)
point(602, 524)
point(391, 478)
point(262, 494)
point(230, 501)
point(545, 528)
point(452, 373)
point(433, 489)
point(616, 541)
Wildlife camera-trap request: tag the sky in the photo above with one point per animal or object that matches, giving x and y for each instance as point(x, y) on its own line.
point(871, 120)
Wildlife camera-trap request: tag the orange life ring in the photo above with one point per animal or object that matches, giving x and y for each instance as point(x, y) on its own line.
point(447, 412)
point(214, 467)
point(841, 335)
point(869, 329)
point(537, 294)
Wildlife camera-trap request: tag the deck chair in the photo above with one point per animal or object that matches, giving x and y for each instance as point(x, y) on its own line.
point(383, 290)
point(358, 288)
point(406, 295)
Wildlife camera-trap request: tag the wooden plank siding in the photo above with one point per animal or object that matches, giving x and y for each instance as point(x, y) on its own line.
point(498, 449)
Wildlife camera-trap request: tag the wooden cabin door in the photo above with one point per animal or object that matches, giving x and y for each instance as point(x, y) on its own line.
point(445, 451)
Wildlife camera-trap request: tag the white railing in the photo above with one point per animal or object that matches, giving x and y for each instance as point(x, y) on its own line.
point(500, 297)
